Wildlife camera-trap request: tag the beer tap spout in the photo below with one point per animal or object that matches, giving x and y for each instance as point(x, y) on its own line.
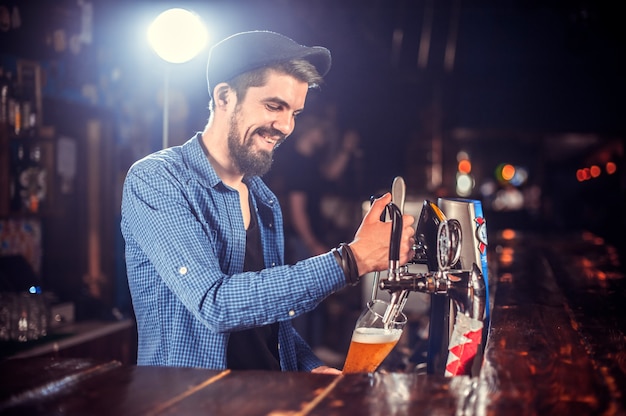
point(394, 244)
point(467, 290)
point(465, 287)
point(425, 283)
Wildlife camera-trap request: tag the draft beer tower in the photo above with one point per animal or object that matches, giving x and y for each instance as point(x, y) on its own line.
point(469, 214)
point(451, 241)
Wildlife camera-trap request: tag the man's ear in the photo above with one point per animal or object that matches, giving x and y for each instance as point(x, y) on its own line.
point(222, 94)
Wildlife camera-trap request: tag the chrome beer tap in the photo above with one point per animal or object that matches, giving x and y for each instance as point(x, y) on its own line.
point(398, 196)
point(441, 252)
point(398, 297)
point(465, 287)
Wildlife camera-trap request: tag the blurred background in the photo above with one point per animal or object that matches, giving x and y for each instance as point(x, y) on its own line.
point(517, 104)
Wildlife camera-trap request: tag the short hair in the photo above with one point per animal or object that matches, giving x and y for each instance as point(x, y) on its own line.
point(300, 69)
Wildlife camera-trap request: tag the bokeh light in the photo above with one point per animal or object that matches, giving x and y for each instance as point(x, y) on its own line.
point(465, 166)
point(508, 171)
point(177, 35)
point(464, 184)
point(594, 171)
point(611, 168)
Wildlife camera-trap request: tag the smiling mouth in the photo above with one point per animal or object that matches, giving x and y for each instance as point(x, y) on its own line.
point(271, 138)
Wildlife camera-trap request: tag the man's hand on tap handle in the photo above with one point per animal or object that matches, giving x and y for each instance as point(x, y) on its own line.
point(371, 241)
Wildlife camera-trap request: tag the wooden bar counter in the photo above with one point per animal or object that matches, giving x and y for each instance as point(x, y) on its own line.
point(555, 347)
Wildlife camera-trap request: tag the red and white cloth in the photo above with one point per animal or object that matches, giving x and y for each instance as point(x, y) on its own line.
point(463, 346)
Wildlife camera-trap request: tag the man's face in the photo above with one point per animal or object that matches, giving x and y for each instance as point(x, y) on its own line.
point(263, 120)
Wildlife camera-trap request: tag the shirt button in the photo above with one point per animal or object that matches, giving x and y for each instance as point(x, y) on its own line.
point(273, 264)
point(292, 312)
point(182, 270)
point(270, 225)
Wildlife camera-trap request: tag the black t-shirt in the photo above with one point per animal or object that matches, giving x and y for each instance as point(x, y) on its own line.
point(255, 348)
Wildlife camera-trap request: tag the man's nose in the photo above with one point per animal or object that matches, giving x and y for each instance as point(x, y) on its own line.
point(285, 123)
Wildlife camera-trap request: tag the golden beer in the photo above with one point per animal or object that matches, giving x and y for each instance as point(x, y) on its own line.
point(369, 347)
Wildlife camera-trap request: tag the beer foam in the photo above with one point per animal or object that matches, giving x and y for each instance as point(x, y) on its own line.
point(375, 335)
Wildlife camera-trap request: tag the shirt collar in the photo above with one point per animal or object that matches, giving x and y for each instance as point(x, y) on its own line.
point(197, 160)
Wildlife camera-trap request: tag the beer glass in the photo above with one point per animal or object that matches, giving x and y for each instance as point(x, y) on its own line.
point(372, 340)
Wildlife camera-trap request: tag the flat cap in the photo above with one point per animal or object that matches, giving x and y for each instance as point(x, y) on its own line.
point(247, 51)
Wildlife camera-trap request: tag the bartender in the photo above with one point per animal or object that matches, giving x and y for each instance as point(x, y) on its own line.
point(204, 234)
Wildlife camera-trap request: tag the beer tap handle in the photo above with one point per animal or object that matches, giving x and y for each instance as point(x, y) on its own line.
point(398, 192)
point(398, 196)
point(398, 299)
point(396, 237)
point(383, 218)
point(396, 208)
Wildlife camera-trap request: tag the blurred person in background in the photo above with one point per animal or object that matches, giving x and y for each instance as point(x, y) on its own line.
point(304, 173)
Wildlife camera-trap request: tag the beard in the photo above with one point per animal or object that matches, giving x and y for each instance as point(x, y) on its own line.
point(248, 160)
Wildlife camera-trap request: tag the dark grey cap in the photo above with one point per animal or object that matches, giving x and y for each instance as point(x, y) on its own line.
point(246, 51)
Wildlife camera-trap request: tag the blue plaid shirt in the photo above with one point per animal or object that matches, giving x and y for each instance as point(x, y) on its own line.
point(185, 247)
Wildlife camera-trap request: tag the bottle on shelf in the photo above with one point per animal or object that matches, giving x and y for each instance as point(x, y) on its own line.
point(28, 187)
point(5, 93)
point(12, 106)
point(8, 103)
point(35, 179)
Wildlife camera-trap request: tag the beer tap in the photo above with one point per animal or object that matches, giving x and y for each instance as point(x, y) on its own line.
point(398, 297)
point(398, 196)
point(465, 288)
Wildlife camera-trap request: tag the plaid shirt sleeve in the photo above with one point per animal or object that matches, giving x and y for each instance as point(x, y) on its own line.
point(185, 243)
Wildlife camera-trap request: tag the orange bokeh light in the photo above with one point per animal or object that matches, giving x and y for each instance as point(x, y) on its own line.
point(508, 171)
point(465, 166)
point(506, 256)
point(508, 234)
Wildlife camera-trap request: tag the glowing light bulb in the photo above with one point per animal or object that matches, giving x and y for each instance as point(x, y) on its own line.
point(177, 35)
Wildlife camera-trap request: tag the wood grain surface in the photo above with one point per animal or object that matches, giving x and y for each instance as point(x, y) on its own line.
point(555, 346)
